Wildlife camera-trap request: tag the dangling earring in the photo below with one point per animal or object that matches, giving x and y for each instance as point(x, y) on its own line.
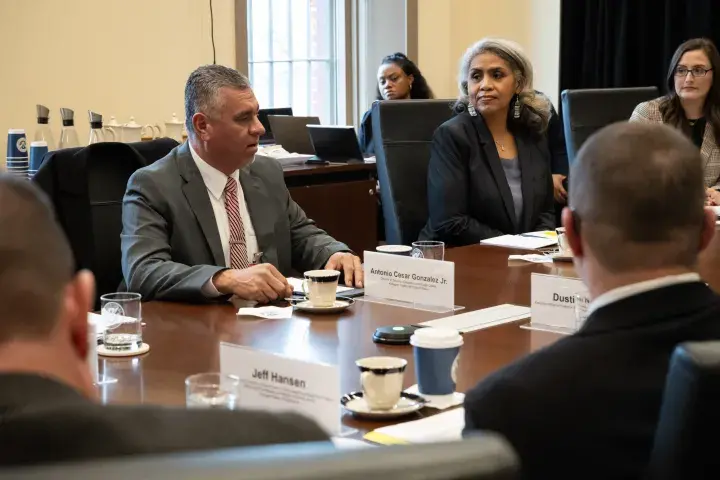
point(516, 113)
point(471, 110)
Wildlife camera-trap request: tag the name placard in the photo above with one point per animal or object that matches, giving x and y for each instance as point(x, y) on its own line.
point(408, 279)
point(276, 383)
point(553, 302)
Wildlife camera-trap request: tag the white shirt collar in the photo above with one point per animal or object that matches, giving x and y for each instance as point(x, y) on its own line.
point(625, 291)
point(214, 179)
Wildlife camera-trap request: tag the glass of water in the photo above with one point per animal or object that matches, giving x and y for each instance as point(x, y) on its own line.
point(429, 249)
point(122, 315)
point(212, 390)
point(582, 302)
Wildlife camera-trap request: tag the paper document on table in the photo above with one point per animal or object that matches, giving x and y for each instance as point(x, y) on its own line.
point(541, 234)
point(267, 312)
point(443, 427)
point(297, 285)
point(479, 319)
point(342, 443)
point(519, 241)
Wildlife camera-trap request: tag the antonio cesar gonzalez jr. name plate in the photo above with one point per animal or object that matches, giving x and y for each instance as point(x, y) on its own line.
point(422, 282)
point(276, 383)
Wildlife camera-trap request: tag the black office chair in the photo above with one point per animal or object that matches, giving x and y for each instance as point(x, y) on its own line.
point(154, 150)
point(403, 132)
point(86, 187)
point(686, 437)
point(586, 111)
point(488, 457)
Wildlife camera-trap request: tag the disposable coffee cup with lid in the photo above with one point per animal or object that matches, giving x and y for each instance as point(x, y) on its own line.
point(436, 352)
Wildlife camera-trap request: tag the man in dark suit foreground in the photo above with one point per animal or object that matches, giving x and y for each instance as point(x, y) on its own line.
point(208, 220)
point(587, 406)
point(48, 410)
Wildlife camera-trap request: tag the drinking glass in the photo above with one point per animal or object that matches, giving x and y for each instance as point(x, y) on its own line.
point(582, 302)
point(429, 249)
point(211, 390)
point(122, 315)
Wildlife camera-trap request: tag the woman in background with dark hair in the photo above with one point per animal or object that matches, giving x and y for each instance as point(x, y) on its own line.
point(692, 105)
point(398, 79)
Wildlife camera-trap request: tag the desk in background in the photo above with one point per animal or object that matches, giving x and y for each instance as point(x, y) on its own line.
point(340, 198)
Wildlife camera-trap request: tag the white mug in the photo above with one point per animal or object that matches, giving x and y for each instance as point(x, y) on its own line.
point(320, 286)
point(381, 379)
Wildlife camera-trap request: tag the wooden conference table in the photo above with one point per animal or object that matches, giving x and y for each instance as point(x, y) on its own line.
point(184, 339)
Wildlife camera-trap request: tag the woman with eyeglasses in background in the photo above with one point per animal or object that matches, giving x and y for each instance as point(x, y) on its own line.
point(692, 105)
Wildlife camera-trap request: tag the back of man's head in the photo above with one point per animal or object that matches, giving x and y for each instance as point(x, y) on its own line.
point(35, 262)
point(637, 195)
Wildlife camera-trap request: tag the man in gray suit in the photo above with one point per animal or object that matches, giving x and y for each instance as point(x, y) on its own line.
point(48, 406)
point(209, 221)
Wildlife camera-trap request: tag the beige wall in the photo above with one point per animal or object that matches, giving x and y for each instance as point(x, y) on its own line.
point(117, 57)
point(446, 28)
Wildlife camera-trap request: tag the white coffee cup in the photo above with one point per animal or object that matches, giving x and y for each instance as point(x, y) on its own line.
point(320, 286)
point(562, 241)
point(382, 380)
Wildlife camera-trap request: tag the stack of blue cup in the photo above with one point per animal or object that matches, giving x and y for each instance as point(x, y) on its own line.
point(17, 153)
point(38, 149)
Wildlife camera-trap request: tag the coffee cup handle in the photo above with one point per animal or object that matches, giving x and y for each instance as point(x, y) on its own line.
point(363, 378)
point(305, 287)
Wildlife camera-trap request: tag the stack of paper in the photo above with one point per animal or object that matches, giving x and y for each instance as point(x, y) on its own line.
point(479, 319)
point(443, 427)
point(528, 242)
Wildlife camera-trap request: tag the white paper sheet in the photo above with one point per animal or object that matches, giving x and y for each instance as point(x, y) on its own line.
point(520, 241)
point(267, 312)
point(480, 319)
point(342, 443)
point(443, 427)
point(440, 402)
point(297, 285)
point(532, 258)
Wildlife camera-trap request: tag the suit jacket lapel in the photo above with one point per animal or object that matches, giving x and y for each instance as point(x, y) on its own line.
point(496, 167)
point(259, 207)
point(196, 194)
point(527, 181)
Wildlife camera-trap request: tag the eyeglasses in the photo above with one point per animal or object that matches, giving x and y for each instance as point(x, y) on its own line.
point(695, 71)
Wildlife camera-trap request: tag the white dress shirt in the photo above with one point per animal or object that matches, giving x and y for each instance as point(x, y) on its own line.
point(626, 291)
point(215, 182)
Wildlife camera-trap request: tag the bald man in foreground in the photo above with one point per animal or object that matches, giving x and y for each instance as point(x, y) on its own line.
point(588, 405)
point(48, 409)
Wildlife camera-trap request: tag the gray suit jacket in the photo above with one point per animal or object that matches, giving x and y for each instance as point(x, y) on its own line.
point(170, 241)
point(649, 112)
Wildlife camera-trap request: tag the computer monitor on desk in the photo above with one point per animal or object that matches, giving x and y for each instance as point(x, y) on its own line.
point(268, 138)
point(292, 134)
point(335, 144)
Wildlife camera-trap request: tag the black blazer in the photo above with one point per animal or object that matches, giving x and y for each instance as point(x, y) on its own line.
point(42, 420)
point(469, 197)
point(365, 135)
point(588, 405)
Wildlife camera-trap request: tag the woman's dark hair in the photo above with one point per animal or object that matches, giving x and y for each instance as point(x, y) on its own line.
point(670, 107)
point(420, 88)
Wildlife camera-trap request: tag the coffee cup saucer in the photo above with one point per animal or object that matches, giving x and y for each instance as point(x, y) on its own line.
point(341, 304)
point(355, 403)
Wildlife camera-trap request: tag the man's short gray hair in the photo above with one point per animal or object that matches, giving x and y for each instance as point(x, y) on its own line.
point(202, 87)
point(637, 193)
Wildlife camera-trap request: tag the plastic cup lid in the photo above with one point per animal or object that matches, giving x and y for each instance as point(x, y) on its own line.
point(39, 143)
point(16, 131)
point(440, 337)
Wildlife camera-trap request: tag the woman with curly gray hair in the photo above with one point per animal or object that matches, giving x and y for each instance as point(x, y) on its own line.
point(489, 169)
